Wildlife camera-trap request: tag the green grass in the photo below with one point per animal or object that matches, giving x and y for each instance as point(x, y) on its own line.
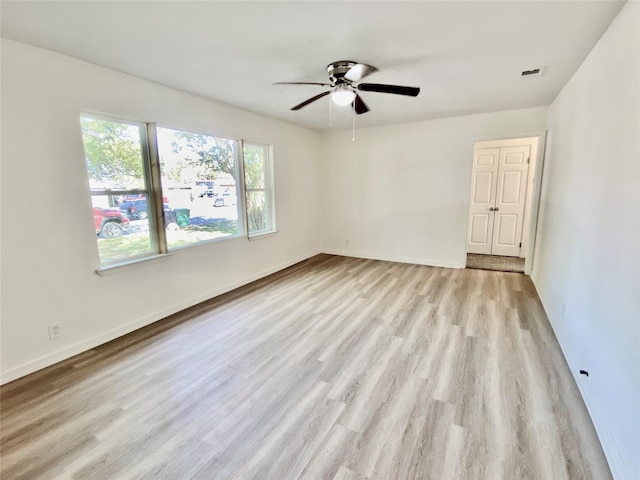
point(138, 244)
point(228, 227)
point(201, 233)
point(124, 247)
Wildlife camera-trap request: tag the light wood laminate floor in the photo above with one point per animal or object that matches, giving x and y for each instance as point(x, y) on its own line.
point(337, 368)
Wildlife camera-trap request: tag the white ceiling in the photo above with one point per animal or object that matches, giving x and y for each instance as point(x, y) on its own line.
point(465, 56)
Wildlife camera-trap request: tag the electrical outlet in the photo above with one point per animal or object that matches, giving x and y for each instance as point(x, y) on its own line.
point(54, 330)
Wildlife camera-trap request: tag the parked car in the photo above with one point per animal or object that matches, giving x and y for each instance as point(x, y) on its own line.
point(133, 196)
point(135, 209)
point(109, 222)
point(224, 199)
point(204, 188)
point(206, 192)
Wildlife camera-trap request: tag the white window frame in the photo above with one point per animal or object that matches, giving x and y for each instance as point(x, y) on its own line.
point(147, 153)
point(153, 192)
point(239, 172)
point(268, 189)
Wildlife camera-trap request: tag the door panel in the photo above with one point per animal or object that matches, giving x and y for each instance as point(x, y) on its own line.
point(514, 158)
point(510, 193)
point(507, 230)
point(486, 159)
point(510, 200)
point(481, 229)
point(483, 197)
point(482, 188)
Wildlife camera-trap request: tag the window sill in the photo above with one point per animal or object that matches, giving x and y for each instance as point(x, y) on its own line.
point(131, 264)
point(203, 242)
point(260, 236)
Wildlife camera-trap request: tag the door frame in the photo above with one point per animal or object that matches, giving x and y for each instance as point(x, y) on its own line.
point(536, 168)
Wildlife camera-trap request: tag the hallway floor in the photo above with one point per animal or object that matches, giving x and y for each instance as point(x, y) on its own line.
point(495, 262)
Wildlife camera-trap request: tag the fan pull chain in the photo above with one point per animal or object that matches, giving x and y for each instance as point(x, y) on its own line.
point(353, 136)
point(330, 102)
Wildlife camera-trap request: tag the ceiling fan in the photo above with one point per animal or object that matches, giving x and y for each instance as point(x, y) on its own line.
point(344, 76)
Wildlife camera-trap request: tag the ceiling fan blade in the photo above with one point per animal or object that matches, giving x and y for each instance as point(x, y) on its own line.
point(396, 89)
point(359, 71)
point(303, 83)
point(359, 106)
point(312, 99)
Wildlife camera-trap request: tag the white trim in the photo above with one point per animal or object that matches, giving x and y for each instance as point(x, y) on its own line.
point(537, 140)
point(68, 352)
point(111, 269)
point(153, 179)
point(507, 142)
point(268, 188)
point(534, 205)
point(206, 242)
point(608, 442)
point(272, 186)
point(241, 192)
point(528, 199)
point(413, 260)
point(261, 235)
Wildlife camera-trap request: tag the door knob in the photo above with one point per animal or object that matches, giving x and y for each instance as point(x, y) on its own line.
point(494, 209)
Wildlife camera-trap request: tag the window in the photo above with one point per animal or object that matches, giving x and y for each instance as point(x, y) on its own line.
point(117, 163)
point(193, 195)
point(199, 183)
point(258, 189)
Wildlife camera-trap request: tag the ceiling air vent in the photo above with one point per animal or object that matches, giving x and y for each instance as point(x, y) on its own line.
point(534, 72)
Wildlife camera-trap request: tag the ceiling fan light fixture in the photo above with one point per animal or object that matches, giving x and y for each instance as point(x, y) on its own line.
point(345, 77)
point(342, 95)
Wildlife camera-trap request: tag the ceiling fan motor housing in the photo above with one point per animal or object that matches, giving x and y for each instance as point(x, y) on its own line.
point(337, 70)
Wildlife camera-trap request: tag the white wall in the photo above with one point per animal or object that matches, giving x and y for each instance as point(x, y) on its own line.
point(49, 249)
point(587, 261)
point(401, 192)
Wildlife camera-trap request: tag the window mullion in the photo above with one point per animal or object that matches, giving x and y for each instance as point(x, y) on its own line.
point(155, 189)
point(134, 191)
point(269, 187)
point(242, 194)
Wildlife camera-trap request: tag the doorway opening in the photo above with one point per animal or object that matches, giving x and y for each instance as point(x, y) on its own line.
point(503, 204)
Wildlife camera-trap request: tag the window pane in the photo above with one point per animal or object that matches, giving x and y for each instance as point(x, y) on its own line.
point(259, 188)
point(121, 227)
point(199, 186)
point(113, 154)
point(256, 211)
point(254, 162)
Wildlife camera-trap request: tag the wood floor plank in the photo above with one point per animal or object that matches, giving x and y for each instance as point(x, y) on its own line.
point(329, 456)
point(336, 368)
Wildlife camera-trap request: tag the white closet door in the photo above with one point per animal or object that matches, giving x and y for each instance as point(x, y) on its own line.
point(483, 193)
point(510, 199)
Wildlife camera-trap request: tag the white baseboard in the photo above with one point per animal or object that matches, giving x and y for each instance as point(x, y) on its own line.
point(416, 261)
point(68, 352)
point(608, 442)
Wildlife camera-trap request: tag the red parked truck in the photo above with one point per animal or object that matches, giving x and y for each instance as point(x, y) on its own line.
point(109, 222)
